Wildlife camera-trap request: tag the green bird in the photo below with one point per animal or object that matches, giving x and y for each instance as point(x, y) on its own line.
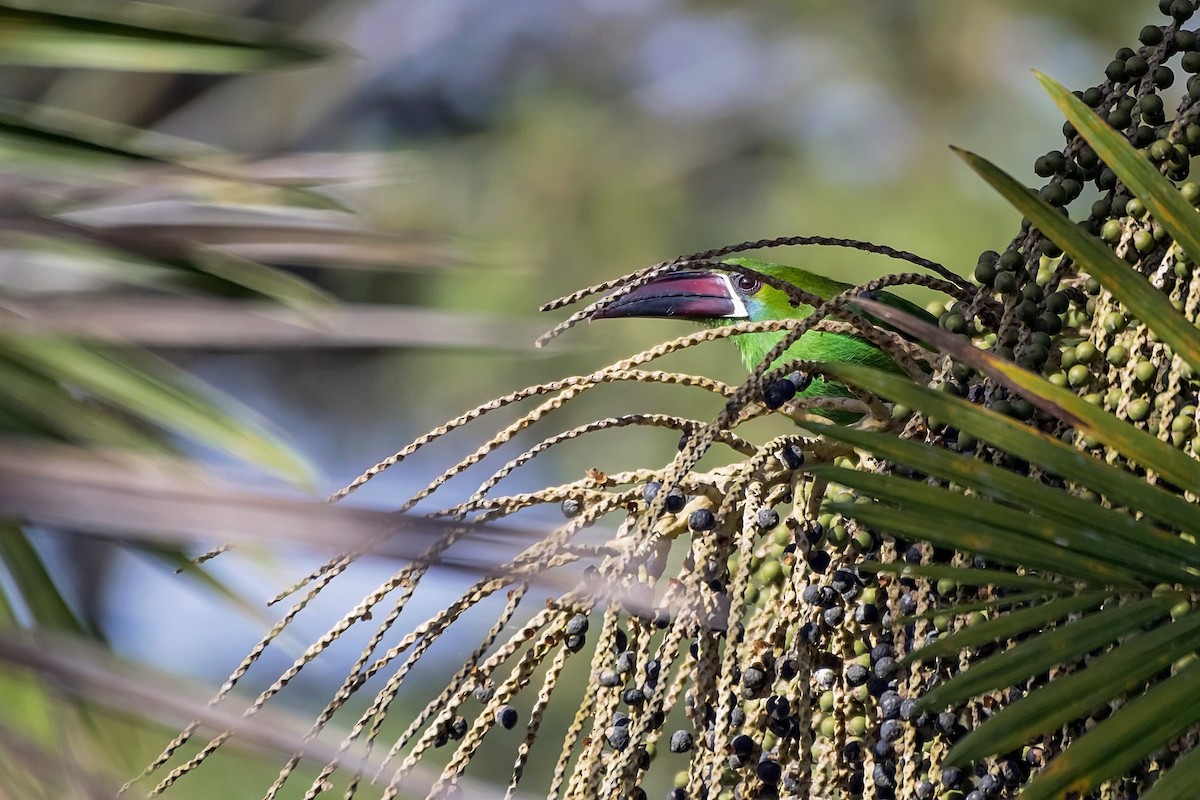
point(714, 297)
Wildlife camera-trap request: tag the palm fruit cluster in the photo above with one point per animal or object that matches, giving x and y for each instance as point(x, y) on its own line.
point(741, 638)
point(1059, 321)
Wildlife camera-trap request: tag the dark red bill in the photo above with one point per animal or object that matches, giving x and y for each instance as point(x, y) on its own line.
point(683, 295)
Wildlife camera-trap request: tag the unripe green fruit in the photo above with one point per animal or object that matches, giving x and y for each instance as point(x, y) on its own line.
point(1138, 409)
point(1079, 375)
point(1114, 322)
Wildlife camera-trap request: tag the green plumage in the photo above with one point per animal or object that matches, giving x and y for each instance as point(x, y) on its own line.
point(768, 303)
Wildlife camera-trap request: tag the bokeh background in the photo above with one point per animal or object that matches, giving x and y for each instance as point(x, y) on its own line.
point(525, 149)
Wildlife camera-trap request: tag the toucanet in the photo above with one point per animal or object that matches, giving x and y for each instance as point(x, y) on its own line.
point(715, 297)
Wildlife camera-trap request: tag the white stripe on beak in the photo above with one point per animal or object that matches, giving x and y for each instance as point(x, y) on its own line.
point(740, 311)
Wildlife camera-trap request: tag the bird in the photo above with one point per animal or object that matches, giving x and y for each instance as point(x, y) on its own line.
point(715, 297)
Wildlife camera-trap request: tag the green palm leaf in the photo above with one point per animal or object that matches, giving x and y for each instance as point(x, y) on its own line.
point(1070, 697)
point(1014, 437)
point(141, 37)
point(150, 388)
point(1124, 739)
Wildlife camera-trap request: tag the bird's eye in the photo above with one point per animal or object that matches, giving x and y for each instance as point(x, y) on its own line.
point(747, 284)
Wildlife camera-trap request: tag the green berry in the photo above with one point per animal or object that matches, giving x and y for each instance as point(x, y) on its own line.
point(1114, 322)
point(954, 323)
point(1119, 119)
point(1111, 232)
point(1138, 410)
point(985, 273)
point(1010, 260)
point(1079, 375)
point(1054, 194)
point(769, 572)
point(1048, 323)
point(1057, 302)
point(1006, 283)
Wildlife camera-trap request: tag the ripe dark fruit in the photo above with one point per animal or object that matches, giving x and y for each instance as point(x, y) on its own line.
point(769, 771)
point(767, 518)
point(779, 393)
point(792, 456)
point(681, 741)
point(507, 717)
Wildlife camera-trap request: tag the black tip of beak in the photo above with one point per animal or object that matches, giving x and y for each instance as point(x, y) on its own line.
point(682, 295)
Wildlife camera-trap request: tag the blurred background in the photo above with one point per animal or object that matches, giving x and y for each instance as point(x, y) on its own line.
point(441, 168)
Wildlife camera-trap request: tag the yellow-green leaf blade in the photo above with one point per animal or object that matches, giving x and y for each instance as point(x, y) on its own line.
point(142, 37)
point(1008, 625)
point(1116, 559)
point(999, 544)
point(1015, 489)
point(1026, 442)
point(1039, 653)
point(1179, 782)
point(1130, 735)
point(31, 581)
point(154, 390)
point(966, 576)
point(1069, 697)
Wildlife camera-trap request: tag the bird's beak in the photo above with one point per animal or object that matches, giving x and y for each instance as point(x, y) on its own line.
point(684, 295)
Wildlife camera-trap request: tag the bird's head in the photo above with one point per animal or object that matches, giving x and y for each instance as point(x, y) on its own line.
point(713, 296)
